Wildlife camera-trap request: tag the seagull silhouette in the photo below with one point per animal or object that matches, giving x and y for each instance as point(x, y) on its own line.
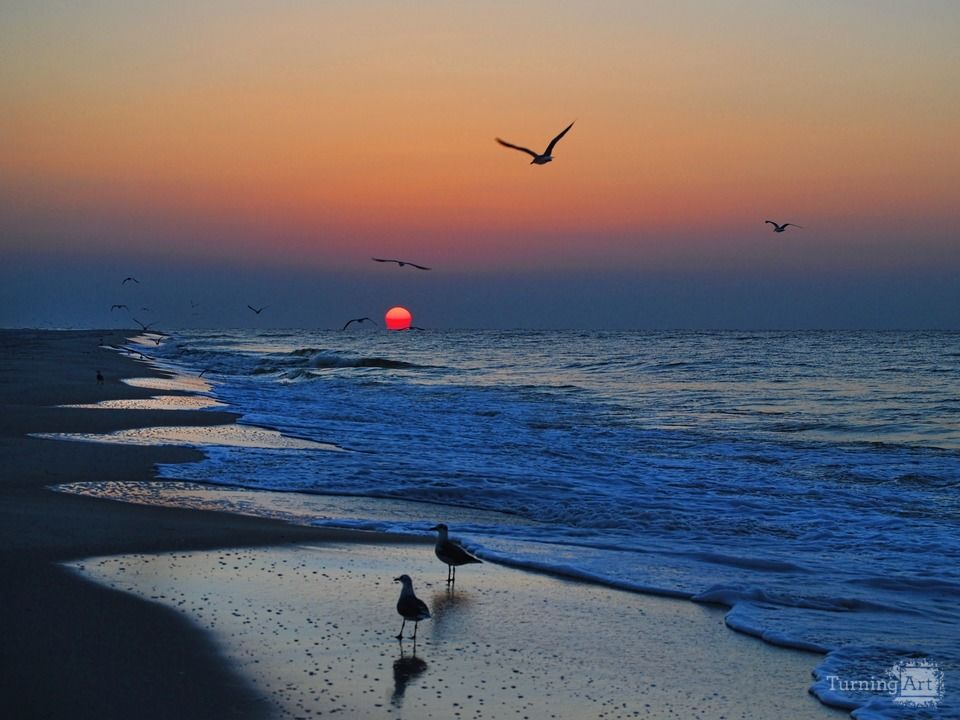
point(357, 320)
point(538, 158)
point(128, 279)
point(451, 553)
point(410, 606)
point(256, 310)
point(401, 263)
point(144, 326)
point(117, 307)
point(781, 228)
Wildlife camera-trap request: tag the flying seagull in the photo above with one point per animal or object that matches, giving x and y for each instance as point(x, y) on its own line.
point(117, 307)
point(401, 263)
point(202, 372)
point(781, 228)
point(128, 279)
point(357, 320)
point(451, 553)
point(143, 326)
point(410, 606)
point(256, 310)
point(538, 159)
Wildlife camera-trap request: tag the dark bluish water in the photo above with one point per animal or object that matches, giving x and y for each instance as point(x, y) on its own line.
point(808, 480)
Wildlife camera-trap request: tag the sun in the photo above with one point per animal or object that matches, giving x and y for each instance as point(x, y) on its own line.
point(398, 318)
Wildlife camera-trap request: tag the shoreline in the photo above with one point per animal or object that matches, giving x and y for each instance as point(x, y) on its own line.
point(71, 647)
point(103, 628)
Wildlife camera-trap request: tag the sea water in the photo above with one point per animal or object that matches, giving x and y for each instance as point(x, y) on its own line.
point(808, 481)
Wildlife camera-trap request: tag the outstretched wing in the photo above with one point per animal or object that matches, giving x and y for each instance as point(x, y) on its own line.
point(771, 222)
point(384, 260)
point(347, 324)
point(549, 150)
point(418, 267)
point(793, 225)
point(528, 151)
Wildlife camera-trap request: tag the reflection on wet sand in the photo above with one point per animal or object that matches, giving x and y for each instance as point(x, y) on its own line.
point(406, 668)
point(199, 436)
point(157, 402)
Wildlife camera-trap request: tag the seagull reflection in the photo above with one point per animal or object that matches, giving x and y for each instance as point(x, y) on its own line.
point(453, 613)
point(406, 668)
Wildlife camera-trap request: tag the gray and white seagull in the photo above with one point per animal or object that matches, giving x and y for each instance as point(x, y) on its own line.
point(410, 606)
point(451, 553)
point(538, 158)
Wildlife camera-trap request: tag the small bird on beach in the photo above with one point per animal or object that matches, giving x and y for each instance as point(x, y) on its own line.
point(118, 307)
point(258, 310)
point(357, 320)
point(451, 553)
point(401, 263)
point(410, 606)
point(538, 158)
point(781, 228)
point(128, 279)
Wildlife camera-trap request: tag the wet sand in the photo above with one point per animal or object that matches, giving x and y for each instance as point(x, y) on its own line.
point(72, 648)
point(313, 626)
point(227, 627)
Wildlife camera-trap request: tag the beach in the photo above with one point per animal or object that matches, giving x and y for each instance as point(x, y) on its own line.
point(71, 647)
point(215, 614)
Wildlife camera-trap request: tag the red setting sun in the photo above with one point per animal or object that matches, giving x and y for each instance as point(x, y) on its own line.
point(398, 318)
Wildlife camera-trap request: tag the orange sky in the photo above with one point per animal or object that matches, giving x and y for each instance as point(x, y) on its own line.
point(324, 132)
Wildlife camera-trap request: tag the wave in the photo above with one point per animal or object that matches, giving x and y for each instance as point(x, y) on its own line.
point(312, 359)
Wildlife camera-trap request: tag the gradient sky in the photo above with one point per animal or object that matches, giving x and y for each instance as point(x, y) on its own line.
point(238, 152)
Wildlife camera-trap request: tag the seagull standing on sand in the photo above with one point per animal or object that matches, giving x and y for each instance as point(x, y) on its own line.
point(781, 228)
point(410, 606)
point(451, 553)
point(538, 158)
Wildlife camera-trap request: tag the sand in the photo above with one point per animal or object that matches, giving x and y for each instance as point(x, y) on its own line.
point(71, 648)
point(213, 614)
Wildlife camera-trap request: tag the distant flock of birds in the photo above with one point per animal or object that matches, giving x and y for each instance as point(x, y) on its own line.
point(146, 327)
point(538, 159)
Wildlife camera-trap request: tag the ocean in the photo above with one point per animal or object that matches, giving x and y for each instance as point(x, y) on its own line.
point(806, 480)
